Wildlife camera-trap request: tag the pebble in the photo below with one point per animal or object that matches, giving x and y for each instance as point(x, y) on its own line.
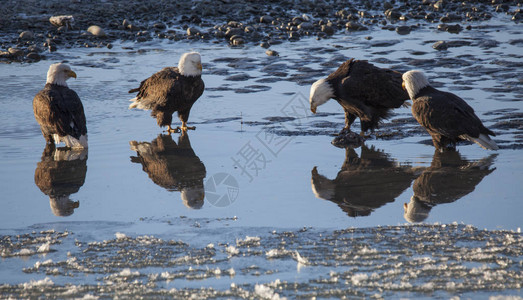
point(454, 28)
point(233, 31)
point(392, 14)
point(26, 35)
point(441, 45)
point(305, 25)
point(351, 25)
point(33, 56)
point(272, 52)
point(238, 41)
point(59, 21)
point(266, 19)
point(327, 29)
point(159, 26)
point(96, 30)
point(193, 31)
point(403, 30)
point(15, 51)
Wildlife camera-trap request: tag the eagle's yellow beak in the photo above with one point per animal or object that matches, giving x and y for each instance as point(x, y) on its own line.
point(313, 109)
point(71, 74)
point(403, 85)
point(200, 67)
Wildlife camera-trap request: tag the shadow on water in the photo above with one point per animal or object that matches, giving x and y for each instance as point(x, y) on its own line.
point(172, 166)
point(364, 183)
point(449, 178)
point(59, 174)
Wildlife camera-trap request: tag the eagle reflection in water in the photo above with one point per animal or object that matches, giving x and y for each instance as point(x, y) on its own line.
point(364, 183)
point(59, 174)
point(448, 179)
point(172, 166)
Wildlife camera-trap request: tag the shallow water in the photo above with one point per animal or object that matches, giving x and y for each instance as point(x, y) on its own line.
point(256, 107)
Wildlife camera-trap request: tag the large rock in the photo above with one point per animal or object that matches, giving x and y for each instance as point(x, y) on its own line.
point(59, 21)
point(96, 30)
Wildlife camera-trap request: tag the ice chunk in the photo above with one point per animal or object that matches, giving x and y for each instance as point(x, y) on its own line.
point(231, 250)
point(43, 282)
point(120, 235)
point(127, 272)
point(44, 248)
point(265, 292)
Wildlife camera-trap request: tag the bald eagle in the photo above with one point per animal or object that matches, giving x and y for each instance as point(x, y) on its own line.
point(363, 90)
point(449, 178)
point(364, 183)
point(172, 89)
point(445, 116)
point(172, 166)
point(59, 111)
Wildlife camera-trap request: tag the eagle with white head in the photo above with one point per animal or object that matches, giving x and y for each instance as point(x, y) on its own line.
point(172, 89)
point(59, 110)
point(446, 117)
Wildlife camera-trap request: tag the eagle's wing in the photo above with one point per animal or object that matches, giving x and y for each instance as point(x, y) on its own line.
point(375, 86)
point(74, 109)
point(159, 90)
point(446, 114)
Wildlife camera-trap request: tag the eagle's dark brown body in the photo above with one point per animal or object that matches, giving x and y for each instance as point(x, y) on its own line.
point(60, 177)
point(450, 177)
point(364, 183)
point(367, 92)
point(168, 91)
point(446, 117)
point(58, 110)
point(59, 174)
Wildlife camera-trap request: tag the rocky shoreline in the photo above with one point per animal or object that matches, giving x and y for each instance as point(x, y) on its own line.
point(28, 35)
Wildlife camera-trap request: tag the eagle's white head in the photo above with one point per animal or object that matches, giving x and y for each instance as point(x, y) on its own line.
point(321, 92)
point(190, 64)
point(58, 73)
point(193, 197)
point(415, 211)
point(413, 82)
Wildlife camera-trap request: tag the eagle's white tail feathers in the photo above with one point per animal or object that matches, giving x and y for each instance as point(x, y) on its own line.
point(71, 141)
point(134, 103)
point(484, 141)
point(142, 148)
point(143, 103)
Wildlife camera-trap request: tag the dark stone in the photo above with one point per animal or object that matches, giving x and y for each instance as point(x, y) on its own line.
point(159, 26)
point(327, 29)
point(392, 14)
point(272, 53)
point(403, 30)
point(441, 45)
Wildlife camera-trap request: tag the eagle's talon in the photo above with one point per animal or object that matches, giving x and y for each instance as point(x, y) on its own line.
point(171, 130)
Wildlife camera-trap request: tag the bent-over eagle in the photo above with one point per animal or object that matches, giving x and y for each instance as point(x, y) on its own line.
point(172, 89)
point(59, 110)
point(445, 116)
point(363, 90)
